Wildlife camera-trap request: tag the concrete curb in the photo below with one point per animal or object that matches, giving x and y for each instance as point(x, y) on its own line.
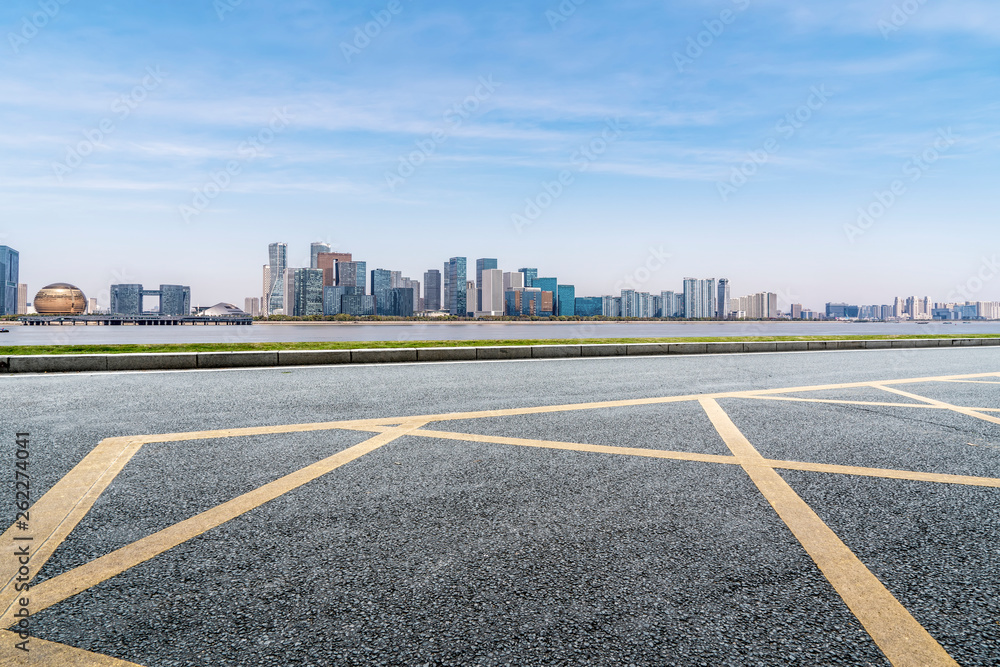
point(68, 363)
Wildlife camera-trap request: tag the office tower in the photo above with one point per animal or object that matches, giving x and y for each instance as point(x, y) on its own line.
point(491, 292)
point(358, 305)
point(22, 299)
point(722, 300)
point(550, 285)
point(277, 260)
point(395, 302)
point(529, 276)
point(352, 274)
point(629, 303)
point(699, 298)
point(432, 290)
point(523, 301)
point(842, 311)
point(126, 299)
point(91, 305)
point(175, 300)
point(251, 306)
point(485, 264)
point(512, 279)
point(303, 292)
point(327, 261)
point(470, 295)
point(9, 275)
point(456, 294)
point(589, 306)
point(796, 311)
point(265, 290)
point(407, 283)
point(566, 300)
point(314, 251)
point(673, 303)
point(380, 285)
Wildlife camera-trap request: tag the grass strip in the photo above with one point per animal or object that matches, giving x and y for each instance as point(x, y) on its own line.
point(19, 350)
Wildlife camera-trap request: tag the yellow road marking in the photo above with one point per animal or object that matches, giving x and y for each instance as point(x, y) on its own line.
point(576, 447)
point(834, 401)
point(60, 510)
point(972, 381)
point(885, 473)
point(44, 653)
point(903, 640)
point(79, 579)
point(969, 412)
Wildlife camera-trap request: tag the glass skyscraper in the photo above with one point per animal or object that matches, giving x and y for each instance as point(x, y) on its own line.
point(455, 298)
point(432, 290)
point(277, 260)
point(722, 301)
point(9, 269)
point(380, 286)
point(126, 299)
point(303, 292)
point(175, 300)
point(482, 265)
point(529, 276)
point(314, 250)
point(566, 300)
point(588, 306)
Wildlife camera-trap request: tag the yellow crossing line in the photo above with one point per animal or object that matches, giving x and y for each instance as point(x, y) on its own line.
point(904, 641)
point(70, 583)
point(969, 412)
point(56, 513)
point(843, 402)
point(61, 509)
point(44, 653)
point(885, 473)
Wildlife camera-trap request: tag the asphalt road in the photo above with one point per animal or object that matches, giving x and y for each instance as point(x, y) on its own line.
point(516, 542)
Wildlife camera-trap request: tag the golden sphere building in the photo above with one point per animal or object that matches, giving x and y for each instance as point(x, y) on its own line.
point(60, 299)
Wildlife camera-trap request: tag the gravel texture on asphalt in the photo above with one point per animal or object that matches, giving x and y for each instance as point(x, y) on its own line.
point(455, 554)
point(934, 546)
point(429, 552)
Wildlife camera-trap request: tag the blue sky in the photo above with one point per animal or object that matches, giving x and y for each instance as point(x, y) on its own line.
point(446, 129)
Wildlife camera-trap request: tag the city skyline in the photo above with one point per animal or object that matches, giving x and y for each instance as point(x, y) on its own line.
point(851, 148)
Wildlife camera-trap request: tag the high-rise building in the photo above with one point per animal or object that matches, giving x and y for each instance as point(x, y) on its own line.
point(490, 292)
point(842, 311)
point(9, 275)
point(589, 306)
point(277, 260)
point(456, 294)
point(484, 264)
point(358, 305)
point(352, 274)
point(314, 250)
point(470, 295)
point(126, 299)
point(548, 284)
point(251, 306)
point(796, 311)
point(380, 285)
point(612, 306)
point(303, 292)
point(629, 303)
point(512, 279)
point(566, 300)
point(699, 298)
point(92, 305)
point(760, 306)
point(395, 302)
point(175, 300)
point(327, 261)
point(523, 301)
point(673, 304)
point(432, 290)
point(529, 276)
point(722, 300)
point(22, 299)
